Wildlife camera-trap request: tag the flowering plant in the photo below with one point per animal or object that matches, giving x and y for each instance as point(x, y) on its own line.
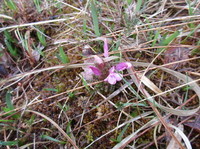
point(103, 69)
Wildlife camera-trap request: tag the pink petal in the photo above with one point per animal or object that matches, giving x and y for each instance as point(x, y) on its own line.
point(87, 76)
point(112, 70)
point(105, 47)
point(97, 59)
point(88, 71)
point(123, 66)
point(111, 79)
point(95, 70)
point(118, 76)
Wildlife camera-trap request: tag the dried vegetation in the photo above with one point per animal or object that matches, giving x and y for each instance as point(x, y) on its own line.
point(46, 103)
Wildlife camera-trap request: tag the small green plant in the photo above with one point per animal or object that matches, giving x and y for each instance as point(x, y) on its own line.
point(9, 42)
point(129, 2)
point(41, 37)
point(31, 120)
point(71, 94)
point(95, 17)
point(69, 129)
point(138, 6)
point(51, 89)
point(121, 134)
point(52, 139)
point(191, 33)
point(12, 50)
point(9, 106)
point(63, 107)
point(116, 48)
point(84, 25)
point(85, 83)
point(23, 40)
point(168, 39)
point(62, 56)
point(155, 38)
point(89, 137)
point(8, 143)
point(37, 5)
point(10, 4)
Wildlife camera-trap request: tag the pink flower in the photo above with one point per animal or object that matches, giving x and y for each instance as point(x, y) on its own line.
point(97, 59)
point(123, 66)
point(88, 73)
point(113, 77)
point(100, 68)
point(95, 70)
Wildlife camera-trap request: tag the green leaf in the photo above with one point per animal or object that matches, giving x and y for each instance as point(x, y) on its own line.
point(9, 37)
point(37, 5)
point(116, 47)
point(11, 5)
point(155, 38)
point(63, 107)
point(31, 120)
point(192, 32)
point(6, 121)
point(84, 25)
point(41, 37)
point(12, 51)
point(10, 106)
point(196, 51)
point(190, 8)
point(114, 140)
point(71, 95)
point(129, 2)
point(50, 89)
point(138, 6)
point(9, 143)
point(119, 138)
point(8, 101)
point(68, 128)
point(85, 84)
point(95, 18)
point(52, 139)
point(16, 116)
point(169, 39)
point(62, 56)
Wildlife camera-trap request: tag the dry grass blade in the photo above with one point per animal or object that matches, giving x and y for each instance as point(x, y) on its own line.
point(152, 102)
point(186, 79)
point(30, 144)
point(127, 140)
point(56, 125)
point(115, 93)
point(125, 123)
point(172, 144)
point(149, 83)
point(179, 133)
point(22, 75)
point(33, 23)
point(5, 16)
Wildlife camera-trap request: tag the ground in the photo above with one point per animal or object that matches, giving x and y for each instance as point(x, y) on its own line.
point(53, 66)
